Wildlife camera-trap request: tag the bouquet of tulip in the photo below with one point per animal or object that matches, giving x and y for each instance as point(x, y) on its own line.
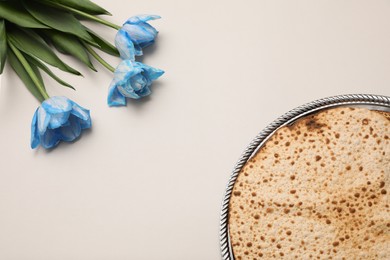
point(30, 30)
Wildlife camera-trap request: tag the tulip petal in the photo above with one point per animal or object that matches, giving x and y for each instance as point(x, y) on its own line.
point(57, 104)
point(49, 139)
point(34, 131)
point(43, 120)
point(80, 112)
point(70, 132)
point(147, 28)
point(115, 98)
point(152, 73)
point(138, 50)
point(142, 18)
point(127, 90)
point(140, 33)
point(145, 92)
point(124, 45)
point(137, 82)
point(84, 124)
point(82, 115)
point(124, 71)
point(58, 119)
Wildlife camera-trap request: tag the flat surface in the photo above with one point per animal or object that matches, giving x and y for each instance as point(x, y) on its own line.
point(148, 180)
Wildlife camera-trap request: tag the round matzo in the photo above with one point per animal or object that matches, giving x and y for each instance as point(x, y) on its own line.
point(317, 189)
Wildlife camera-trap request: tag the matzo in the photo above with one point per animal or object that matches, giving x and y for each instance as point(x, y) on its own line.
point(317, 189)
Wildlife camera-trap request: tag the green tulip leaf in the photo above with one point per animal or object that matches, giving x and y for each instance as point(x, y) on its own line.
point(58, 48)
point(103, 44)
point(3, 45)
point(82, 5)
point(14, 12)
point(57, 19)
point(69, 44)
point(17, 66)
point(43, 67)
point(31, 44)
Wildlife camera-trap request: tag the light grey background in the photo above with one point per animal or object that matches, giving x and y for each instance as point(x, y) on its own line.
point(147, 182)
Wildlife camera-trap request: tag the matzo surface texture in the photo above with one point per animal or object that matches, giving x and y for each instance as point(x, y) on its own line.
point(318, 189)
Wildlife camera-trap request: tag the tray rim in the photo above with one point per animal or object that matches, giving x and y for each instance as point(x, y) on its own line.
point(289, 117)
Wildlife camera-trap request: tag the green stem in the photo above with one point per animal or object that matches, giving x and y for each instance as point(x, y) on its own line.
point(98, 58)
point(92, 17)
point(29, 70)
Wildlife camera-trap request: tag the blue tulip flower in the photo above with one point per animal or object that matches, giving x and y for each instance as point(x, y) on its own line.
point(58, 119)
point(131, 80)
point(135, 35)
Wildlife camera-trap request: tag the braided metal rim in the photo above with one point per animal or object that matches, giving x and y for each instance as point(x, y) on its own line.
point(350, 99)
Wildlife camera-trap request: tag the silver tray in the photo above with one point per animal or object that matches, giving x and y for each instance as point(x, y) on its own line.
point(373, 102)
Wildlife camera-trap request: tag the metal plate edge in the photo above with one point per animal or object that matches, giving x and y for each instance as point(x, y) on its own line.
point(289, 117)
